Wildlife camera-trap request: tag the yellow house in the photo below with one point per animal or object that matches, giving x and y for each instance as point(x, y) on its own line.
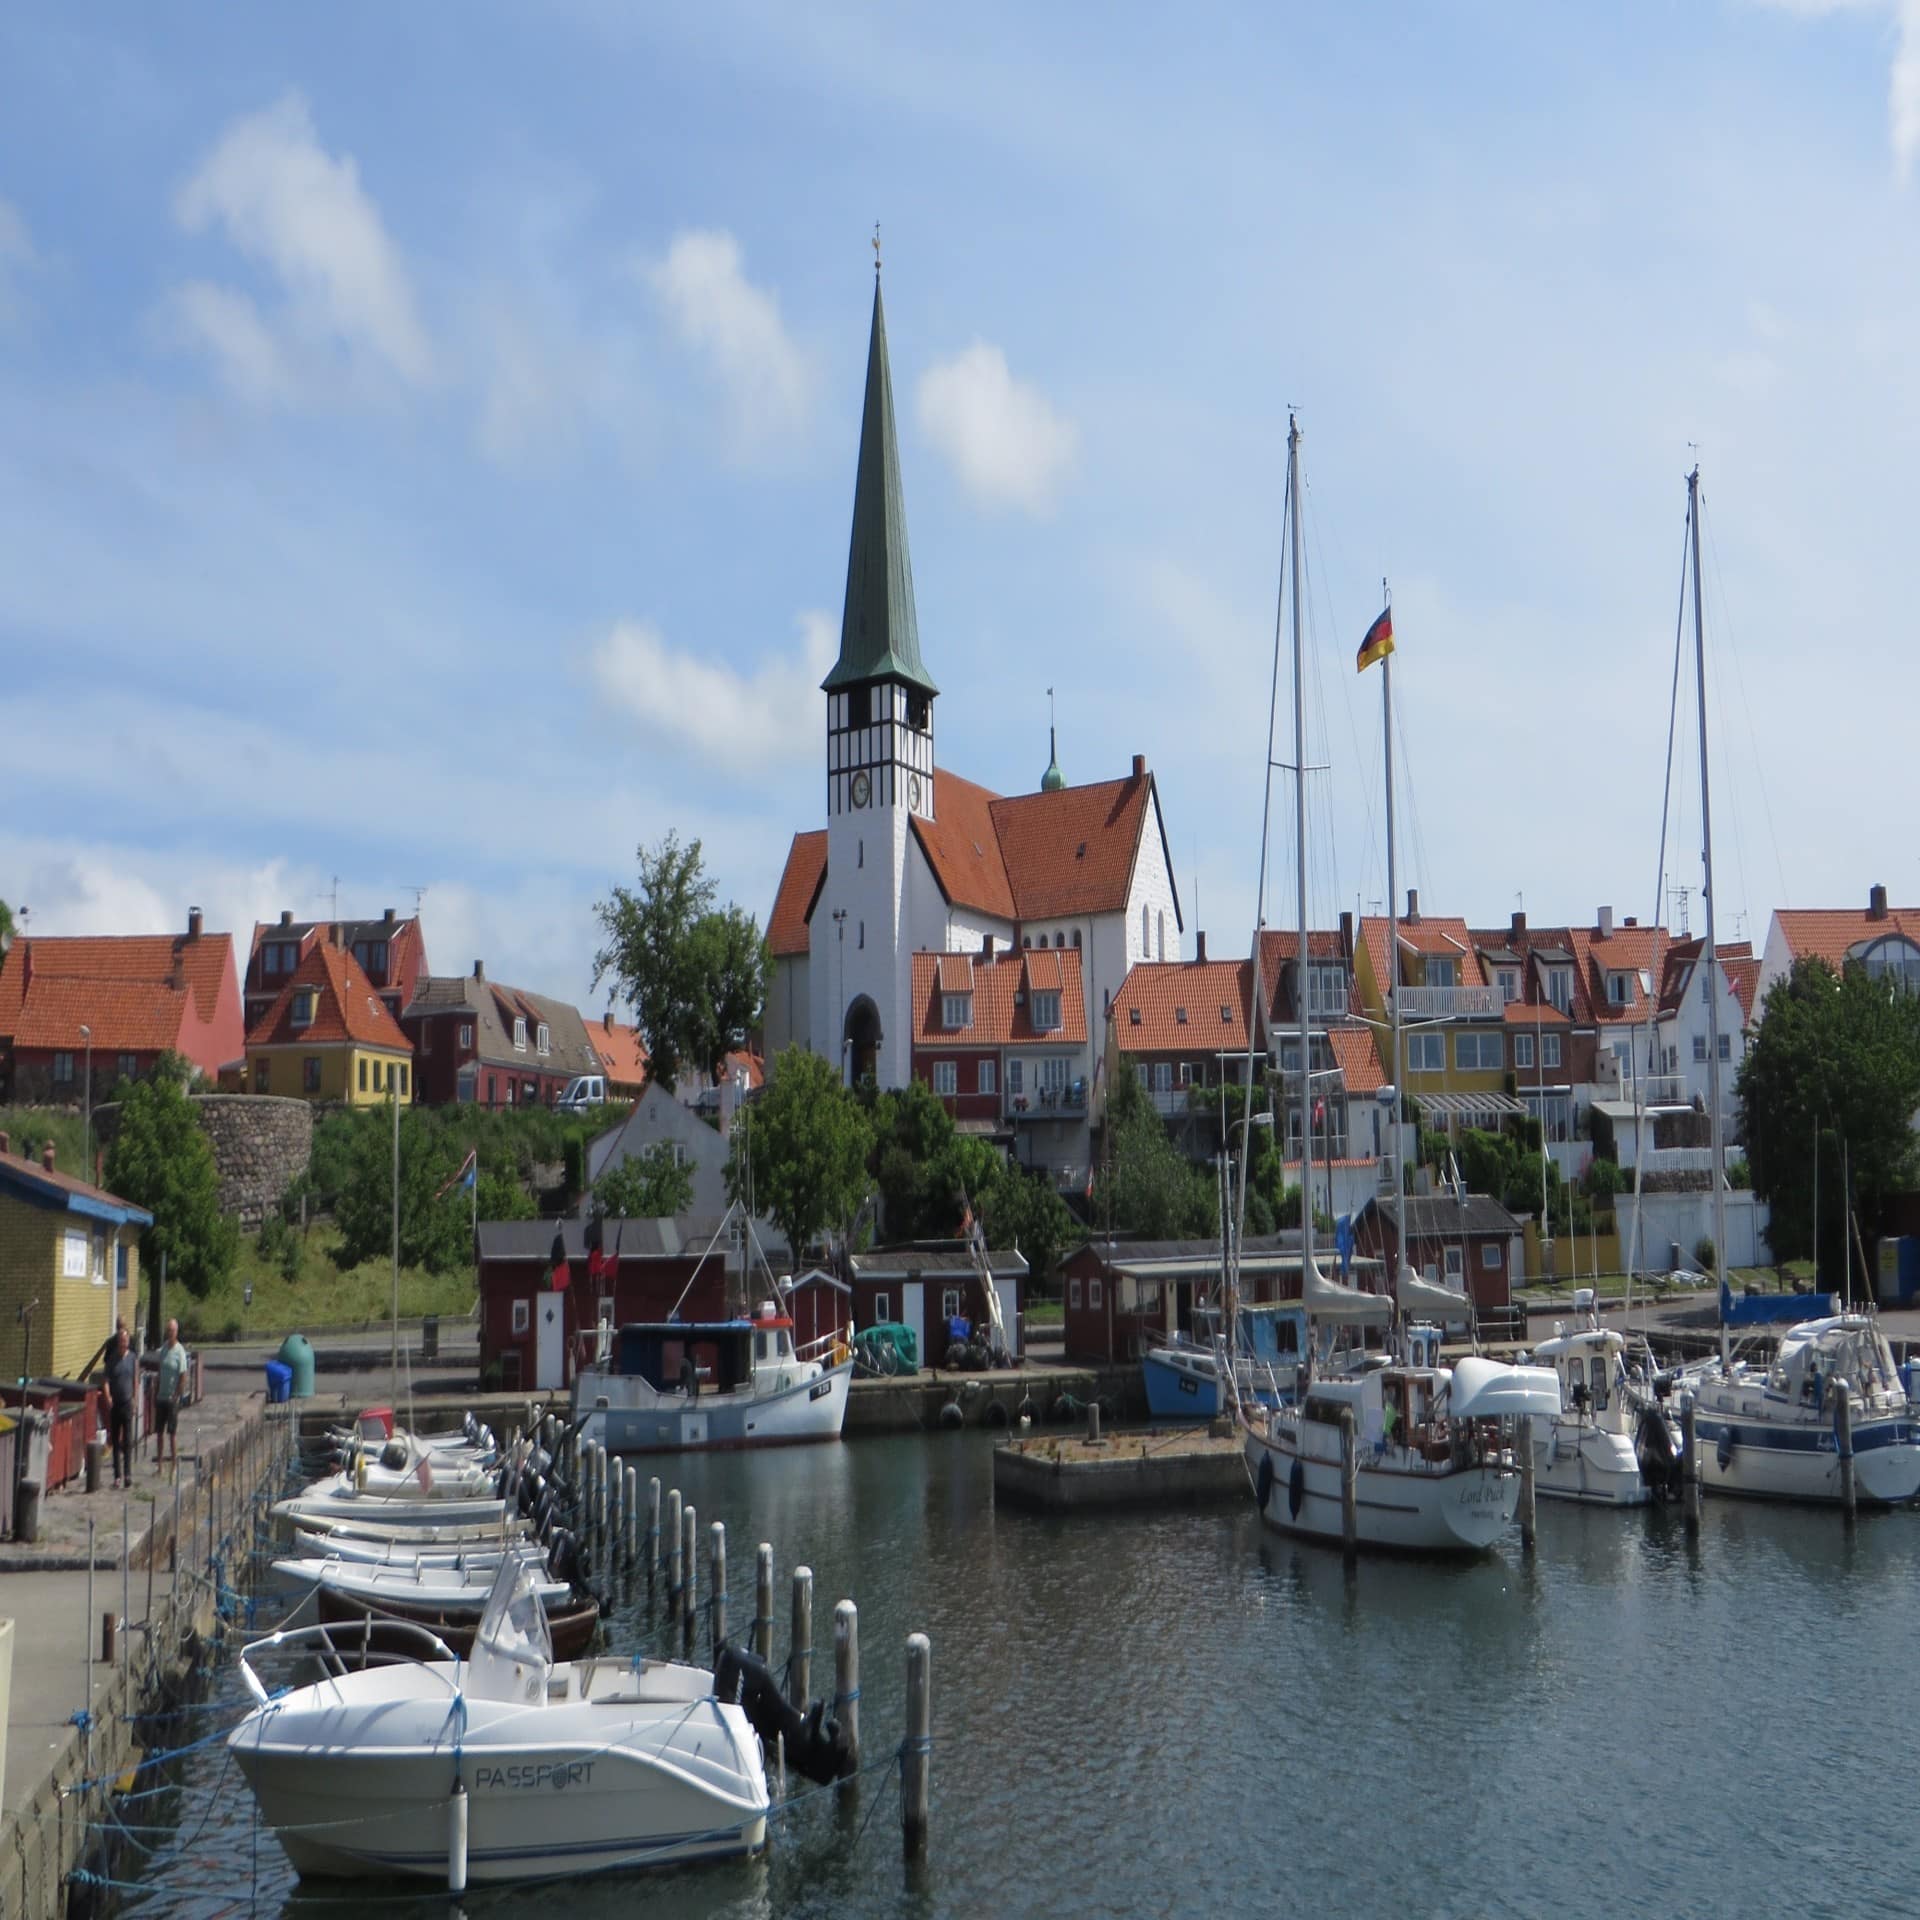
point(329, 1036)
point(69, 1266)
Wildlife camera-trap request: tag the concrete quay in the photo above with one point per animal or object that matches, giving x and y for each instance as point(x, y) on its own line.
point(1153, 1468)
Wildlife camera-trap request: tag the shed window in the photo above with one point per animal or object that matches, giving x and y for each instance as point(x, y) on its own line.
point(1093, 1292)
point(882, 1307)
point(1490, 1255)
point(1073, 1293)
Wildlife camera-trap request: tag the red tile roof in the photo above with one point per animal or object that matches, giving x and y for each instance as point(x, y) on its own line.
point(997, 1022)
point(1357, 1057)
point(126, 1016)
point(623, 1054)
point(1635, 951)
point(1832, 933)
point(956, 973)
point(1534, 1013)
point(799, 889)
point(1743, 976)
point(963, 848)
point(1072, 851)
point(346, 1011)
point(1159, 990)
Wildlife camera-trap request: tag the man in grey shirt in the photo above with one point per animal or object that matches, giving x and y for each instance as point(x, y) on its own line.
point(169, 1388)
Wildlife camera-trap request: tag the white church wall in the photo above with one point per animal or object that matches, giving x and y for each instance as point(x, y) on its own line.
point(1152, 920)
point(789, 1019)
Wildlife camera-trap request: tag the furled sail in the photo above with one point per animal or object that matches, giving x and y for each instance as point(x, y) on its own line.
point(1419, 1295)
point(1328, 1300)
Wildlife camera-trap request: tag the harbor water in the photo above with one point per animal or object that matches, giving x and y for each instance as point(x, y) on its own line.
point(1181, 1713)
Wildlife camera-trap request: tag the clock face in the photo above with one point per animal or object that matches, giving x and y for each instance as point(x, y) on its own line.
point(913, 790)
point(862, 789)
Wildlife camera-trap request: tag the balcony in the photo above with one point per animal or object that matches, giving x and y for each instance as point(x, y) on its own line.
point(1449, 1003)
point(1655, 1089)
point(1050, 1103)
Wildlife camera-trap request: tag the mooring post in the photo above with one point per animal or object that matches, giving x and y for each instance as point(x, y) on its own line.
point(717, 1584)
point(800, 1647)
point(653, 1530)
point(1843, 1440)
point(457, 1840)
point(916, 1751)
point(1689, 1465)
point(690, 1570)
point(632, 1508)
point(1349, 1484)
point(763, 1602)
point(1093, 1423)
point(673, 1553)
point(1525, 1441)
point(846, 1682)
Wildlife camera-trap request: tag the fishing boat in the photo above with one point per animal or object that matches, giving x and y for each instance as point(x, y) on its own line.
point(1182, 1374)
point(676, 1386)
point(1397, 1452)
point(504, 1766)
point(1593, 1448)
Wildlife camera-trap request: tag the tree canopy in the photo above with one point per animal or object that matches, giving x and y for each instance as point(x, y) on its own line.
point(1147, 1187)
point(695, 974)
point(1836, 1059)
point(644, 1186)
point(807, 1143)
point(160, 1160)
point(435, 1229)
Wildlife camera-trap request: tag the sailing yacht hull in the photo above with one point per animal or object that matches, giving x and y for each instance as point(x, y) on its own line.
point(1778, 1460)
point(1407, 1509)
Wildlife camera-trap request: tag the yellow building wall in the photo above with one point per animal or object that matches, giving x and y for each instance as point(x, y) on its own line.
point(340, 1074)
point(74, 1314)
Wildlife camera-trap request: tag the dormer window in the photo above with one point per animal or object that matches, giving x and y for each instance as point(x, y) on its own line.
point(1560, 987)
point(1508, 981)
point(372, 956)
point(956, 1010)
point(1620, 989)
point(1327, 990)
point(541, 1039)
point(1440, 970)
point(519, 1035)
point(303, 1007)
point(1892, 959)
point(1046, 1010)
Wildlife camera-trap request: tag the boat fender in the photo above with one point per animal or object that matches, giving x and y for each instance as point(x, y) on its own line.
point(1263, 1482)
point(1724, 1452)
point(1296, 1490)
point(393, 1456)
point(951, 1416)
point(1028, 1411)
point(996, 1415)
point(813, 1740)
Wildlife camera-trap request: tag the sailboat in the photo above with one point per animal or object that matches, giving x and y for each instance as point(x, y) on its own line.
point(1773, 1427)
point(1396, 1452)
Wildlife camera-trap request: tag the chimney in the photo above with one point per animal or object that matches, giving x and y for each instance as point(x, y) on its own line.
point(1605, 923)
point(46, 1156)
point(1200, 946)
point(1139, 766)
point(1346, 935)
point(286, 916)
point(193, 923)
point(986, 946)
point(387, 916)
point(1412, 914)
point(1876, 903)
point(1519, 925)
point(480, 973)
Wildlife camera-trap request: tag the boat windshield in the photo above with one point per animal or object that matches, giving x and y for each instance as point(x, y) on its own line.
point(512, 1650)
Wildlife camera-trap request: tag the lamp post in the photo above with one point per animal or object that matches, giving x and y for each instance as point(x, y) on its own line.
point(393, 1094)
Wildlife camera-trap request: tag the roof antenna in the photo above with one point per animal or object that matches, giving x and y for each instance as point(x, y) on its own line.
point(419, 894)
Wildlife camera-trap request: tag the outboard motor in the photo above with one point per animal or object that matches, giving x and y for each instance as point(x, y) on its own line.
point(567, 1559)
point(1658, 1456)
point(813, 1741)
point(532, 1487)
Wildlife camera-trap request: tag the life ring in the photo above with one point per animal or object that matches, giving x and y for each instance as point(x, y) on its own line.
point(1263, 1481)
point(1296, 1490)
point(1724, 1451)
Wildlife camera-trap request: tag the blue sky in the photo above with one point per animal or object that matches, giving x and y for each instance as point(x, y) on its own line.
point(427, 438)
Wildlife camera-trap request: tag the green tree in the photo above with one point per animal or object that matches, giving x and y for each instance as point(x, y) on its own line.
point(1837, 1057)
point(1021, 1209)
point(924, 1168)
point(1146, 1186)
point(435, 1231)
point(810, 1139)
point(500, 1196)
point(6, 926)
point(161, 1161)
point(695, 975)
point(644, 1186)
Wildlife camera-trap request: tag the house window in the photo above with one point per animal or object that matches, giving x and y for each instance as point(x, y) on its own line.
point(73, 1255)
point(956, 1009)
point(1478, 1052)
point(1046, 1012)
point(1726, 1046)
point(1523, 1049)
point(120, 1278)
point(1560, 987)
point(426, 1036)
point(1163, 1076)
point(1490, 1255)
point(679, 1153)
point(1073, 1293)
point(946, 1077)
point(882, 1307)
point(522, 1315)
point(1186, 1073)
point(1699, 1046)
point(1015, 1077)
point(63, 1069)
point(262, 1074)
point(1620, 988)
point(949, 1303)
point(403, 1079)
point(1440, 970)
point(1052, 1074)
point(1706, 988)
point(303, 1007)
point(541, 1040)
point(363, 1073)
point(466, 1036)
point(1327, 991)
point(985, 1075)
point(1508, 979)
point(519, 1034)
point(310, 1073)
point(1093, 1293)
point(127, 1066)
point(1456, 1268)
point(1550, 1050)
point(493, 1092)
point(1426, 1053)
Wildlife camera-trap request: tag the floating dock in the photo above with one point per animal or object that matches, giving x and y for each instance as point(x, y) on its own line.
point(1142, 1468)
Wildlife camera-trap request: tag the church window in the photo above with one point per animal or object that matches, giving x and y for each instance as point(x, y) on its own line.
point(859, 853)
point(1026, 940)
point(1076, 939)
point(1163, 933)
point(1146, 935)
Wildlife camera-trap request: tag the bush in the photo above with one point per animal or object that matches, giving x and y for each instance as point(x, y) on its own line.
point(1703, 1255)
point(1739, 1176)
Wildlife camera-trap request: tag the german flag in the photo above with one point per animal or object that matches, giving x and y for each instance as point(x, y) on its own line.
point(1378, 643)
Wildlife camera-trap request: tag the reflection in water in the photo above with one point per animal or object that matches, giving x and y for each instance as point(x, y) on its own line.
point(1180, 1712)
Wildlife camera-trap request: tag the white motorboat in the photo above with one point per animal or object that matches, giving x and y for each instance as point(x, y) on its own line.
point(556, 1769)
point(330, 1550)
point(393, 1524)
point(452, 1588)
point(672, 1386)
point(1773, 1428)
point(1592, 1448)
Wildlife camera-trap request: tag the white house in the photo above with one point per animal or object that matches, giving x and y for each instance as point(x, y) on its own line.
point(1684, 1023)
point(1883, 939)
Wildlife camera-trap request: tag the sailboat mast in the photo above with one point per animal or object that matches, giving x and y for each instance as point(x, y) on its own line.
point(1709, 953)
point(1394, 1136)
point(1300, 863)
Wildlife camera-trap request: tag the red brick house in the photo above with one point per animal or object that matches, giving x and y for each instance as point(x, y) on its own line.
point(926, 1287)
point(138, 995)
point(1470, 1243)
point(477, 1041)
point(390, 951)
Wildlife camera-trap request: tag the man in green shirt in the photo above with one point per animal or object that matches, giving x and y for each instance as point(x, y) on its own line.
point(170, 1383)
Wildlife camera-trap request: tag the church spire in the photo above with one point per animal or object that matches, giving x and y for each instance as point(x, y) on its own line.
point(879, 634)
point(1053, 779)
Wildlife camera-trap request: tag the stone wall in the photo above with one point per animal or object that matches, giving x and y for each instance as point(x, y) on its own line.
point(261, 1145)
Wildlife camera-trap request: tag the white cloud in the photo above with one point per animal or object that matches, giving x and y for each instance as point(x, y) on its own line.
point(1002, 436)
point(736, 326)
point(1903, 80)
point(708, 707)
point(243, 346)
point(300, 212)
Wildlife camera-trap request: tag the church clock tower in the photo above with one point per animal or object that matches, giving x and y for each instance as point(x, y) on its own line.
point(879, 764)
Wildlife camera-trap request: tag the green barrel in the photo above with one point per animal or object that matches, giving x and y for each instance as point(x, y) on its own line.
point(296, 1351)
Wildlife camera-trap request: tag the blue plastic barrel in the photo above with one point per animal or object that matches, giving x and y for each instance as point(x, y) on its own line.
point(279, 1382)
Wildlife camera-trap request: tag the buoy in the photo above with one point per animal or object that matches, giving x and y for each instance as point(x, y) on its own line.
point(951, 1416)
point(1263, 1480)
point(457, 1840)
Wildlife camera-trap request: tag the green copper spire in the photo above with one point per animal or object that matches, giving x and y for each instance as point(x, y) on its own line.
point(879, 635)
point(1053, 779)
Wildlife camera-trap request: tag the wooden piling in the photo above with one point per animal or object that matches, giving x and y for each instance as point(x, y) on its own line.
point(1349, 1484)
point(800, 1648)
point(763, 1602)
point(717, 1585)
point(632, 1509)
point(916, 1751)
point(1843, 1442)
point(1689, 1464)
point(690, 1574)
point(1525, 1442)
point(653, 1530)
point(846, 1681)
point(672, 1545)
point(1093, 1423)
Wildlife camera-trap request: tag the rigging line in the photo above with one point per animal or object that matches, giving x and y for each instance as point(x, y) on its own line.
point(1319, 873)
point(1371, 782)
point(1336, 626)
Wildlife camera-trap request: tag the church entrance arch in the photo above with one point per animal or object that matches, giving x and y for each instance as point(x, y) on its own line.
point(860, 1041)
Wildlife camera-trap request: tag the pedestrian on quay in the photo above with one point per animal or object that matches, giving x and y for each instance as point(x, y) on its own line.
point(122, 1374)
point(169, 1388)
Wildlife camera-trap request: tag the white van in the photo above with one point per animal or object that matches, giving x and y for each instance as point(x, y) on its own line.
point(584, 1090)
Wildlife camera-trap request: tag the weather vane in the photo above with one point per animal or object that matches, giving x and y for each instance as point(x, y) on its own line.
point(876, 246)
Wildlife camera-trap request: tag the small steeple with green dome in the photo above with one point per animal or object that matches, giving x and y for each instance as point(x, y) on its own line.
point(1053, 779)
